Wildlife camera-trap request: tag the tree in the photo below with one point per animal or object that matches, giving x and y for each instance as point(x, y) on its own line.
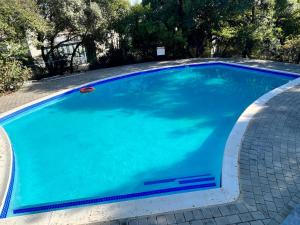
point(16, 19)
point(86, 21)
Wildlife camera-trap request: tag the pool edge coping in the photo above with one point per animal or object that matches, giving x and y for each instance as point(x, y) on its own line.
point(229, 191)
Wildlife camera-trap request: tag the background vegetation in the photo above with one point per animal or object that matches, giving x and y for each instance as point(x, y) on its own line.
point(112, 32)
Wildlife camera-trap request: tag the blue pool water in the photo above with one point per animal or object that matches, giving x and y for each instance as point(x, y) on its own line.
point(157, 131)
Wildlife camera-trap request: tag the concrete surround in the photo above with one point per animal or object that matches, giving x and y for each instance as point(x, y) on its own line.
point(247, 208)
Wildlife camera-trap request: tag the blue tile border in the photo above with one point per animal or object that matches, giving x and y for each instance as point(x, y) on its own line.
point(9, 191)
point(84, 202)
point(265, 70)
point(56, 206)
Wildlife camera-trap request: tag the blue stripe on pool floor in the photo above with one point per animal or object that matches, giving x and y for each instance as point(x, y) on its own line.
point(56, 206)
point(196, 180)
point(159, 181)
point(167, 180)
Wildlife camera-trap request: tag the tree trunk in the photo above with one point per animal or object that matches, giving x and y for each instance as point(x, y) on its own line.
point(180, 13)
point(253, 13)
point(298, 59)
point(72, 57)
point(200, 43)
point(90, 47)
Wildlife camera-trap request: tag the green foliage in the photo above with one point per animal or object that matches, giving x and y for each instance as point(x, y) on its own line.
point(13, 75)
point(291, 49)
point(192, 28)
point(16, 19)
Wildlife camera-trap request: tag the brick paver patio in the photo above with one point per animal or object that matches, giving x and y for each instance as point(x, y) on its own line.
point(269, 161)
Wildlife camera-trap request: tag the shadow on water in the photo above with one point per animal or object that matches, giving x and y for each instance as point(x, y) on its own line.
point(172, 97)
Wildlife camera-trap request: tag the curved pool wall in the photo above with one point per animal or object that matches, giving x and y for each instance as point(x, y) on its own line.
point(233, 133)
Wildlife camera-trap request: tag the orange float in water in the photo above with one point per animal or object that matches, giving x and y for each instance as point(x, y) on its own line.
point(86, 89)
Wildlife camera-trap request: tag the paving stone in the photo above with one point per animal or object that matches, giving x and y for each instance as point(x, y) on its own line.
point(224, 210)
point(188, 215)
point(197, 222)
point(161, 220)
point(215, 212)
point(222, 220)
point(179, 217)
point(170, 218)
point(233, 219)
point(241, 208)
point(271, 206)
point(206, 213)
point(152, 220)
point(256, 223)
point(185, 223)
point(257, 215)
point(209, 222)
point(233, 209)
point(197, 214)
point(266, 221)
point(268, 196)
point(245, 217)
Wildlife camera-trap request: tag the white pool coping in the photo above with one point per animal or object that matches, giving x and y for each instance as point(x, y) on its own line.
point(229, 191)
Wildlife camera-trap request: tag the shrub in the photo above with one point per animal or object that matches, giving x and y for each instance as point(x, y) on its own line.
point(291, 49)
point(12, 75)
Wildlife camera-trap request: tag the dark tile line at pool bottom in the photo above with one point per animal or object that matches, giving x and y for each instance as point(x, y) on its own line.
point(196, 180)
point(111, 198)
point(9, 192)
point(169, 180)
point(95, 83)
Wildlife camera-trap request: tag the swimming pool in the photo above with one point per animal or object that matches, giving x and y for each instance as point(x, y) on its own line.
point(161, 132)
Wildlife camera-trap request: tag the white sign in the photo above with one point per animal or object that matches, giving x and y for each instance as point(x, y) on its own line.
point(160, 51)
